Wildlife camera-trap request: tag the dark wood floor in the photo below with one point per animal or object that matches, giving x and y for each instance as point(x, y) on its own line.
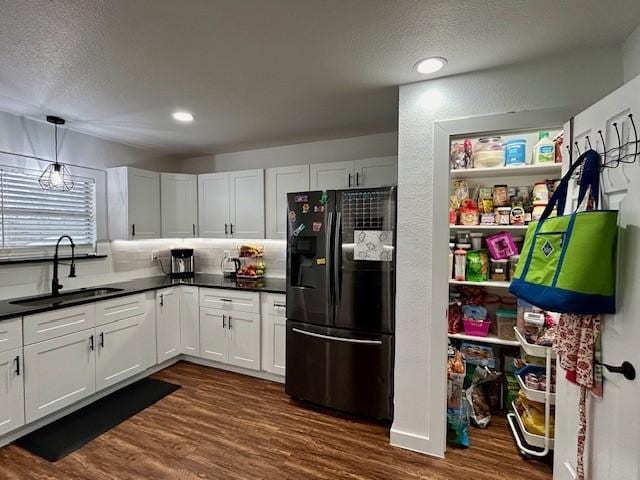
point(226, 426)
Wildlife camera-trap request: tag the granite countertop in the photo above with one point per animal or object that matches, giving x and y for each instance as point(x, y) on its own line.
point(139, 285)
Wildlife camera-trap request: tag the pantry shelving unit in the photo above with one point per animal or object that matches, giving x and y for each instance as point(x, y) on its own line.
point(522, 124)
point(529, 443)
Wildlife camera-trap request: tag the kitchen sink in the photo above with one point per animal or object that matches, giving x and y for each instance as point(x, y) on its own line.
point(43, 300)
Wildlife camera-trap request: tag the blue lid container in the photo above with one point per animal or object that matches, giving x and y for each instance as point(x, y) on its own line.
point(515, 152)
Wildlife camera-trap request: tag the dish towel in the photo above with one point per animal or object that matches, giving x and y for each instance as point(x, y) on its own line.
point(575, 345)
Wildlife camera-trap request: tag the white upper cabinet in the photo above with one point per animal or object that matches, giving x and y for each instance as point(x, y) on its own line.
point(179, 205)
point(213, 205)
point(246, 216)
point(362, 173)
point(376, 172)
point(11, 390)
point(231, 204)
point(279, 182)
point(134, 203)
point(329, 176)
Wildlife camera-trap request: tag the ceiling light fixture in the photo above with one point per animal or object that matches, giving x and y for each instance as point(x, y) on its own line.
point(56, 176)
point(183, 116)
point(430, 65)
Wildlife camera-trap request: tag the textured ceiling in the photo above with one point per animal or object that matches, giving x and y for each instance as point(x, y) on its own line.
point(265, 72)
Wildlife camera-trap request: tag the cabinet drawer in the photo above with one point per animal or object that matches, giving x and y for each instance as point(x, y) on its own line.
point(56, 323)
point(274, 304)
point(10, 334)
point(119, 308)
point(230, 300)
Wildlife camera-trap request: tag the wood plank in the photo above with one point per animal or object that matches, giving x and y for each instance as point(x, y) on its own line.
point(223, 425)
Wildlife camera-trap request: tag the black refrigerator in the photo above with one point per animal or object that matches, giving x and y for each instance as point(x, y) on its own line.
point(341, 299)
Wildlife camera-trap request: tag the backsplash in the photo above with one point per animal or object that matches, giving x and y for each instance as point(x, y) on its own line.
point(132, 259)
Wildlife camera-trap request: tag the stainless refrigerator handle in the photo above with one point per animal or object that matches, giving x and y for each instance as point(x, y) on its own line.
point(339, 339)
point(329, 264)
point(337, 259)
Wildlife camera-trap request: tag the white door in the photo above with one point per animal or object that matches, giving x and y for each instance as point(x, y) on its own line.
point(168, 323)
point(143, 189)
point(376, 172)
point(244, 339)
point(246, 189)
point(279, 182)
point(613, 450)
point(120, 352)
point(189, 321)
point(58, 372)
point(335, 175)
point(11, 390)
point(213, 205)
point(179, 202)
point(213, 335)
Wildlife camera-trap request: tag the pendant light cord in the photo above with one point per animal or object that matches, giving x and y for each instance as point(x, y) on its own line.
point(56, 141)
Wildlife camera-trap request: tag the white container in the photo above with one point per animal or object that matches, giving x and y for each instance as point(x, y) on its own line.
point(476, 240)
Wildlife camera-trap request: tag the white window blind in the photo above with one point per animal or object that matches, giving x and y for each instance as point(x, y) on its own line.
point(32, 219)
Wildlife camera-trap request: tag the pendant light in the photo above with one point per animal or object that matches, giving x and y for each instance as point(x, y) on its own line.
point(56, 176)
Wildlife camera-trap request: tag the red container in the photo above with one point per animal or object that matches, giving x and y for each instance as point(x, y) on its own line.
point(477, 329)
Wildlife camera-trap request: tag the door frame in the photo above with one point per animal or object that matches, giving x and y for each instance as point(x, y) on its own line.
point(436, 444)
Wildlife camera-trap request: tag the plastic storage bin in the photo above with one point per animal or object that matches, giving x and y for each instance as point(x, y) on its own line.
point(477, 329)
point(506, 320)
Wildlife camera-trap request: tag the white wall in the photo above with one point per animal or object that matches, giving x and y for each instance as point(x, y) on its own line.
point(631, 55)
point(564, 80)
point(353, 148)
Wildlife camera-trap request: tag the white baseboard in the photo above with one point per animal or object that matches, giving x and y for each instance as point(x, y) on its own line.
point(230, 368)
point(414, 442)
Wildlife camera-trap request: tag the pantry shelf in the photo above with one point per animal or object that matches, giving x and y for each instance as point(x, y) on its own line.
point(487, 228)
point(490, 283)
point(492, 339)
point(501, 171)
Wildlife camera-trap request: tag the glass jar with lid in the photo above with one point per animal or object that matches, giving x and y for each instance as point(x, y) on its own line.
point(488, 152)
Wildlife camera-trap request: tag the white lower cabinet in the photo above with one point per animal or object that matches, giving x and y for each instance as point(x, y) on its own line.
point(230, 337)
point(120, 351)
point(189, 320)
point(244, 339)
point(213, 335)
point(168, 323)
point(274, 333)
point(58, 372)
point(11, 390)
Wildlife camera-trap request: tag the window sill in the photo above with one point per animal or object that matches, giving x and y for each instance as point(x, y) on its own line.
point(16, 260)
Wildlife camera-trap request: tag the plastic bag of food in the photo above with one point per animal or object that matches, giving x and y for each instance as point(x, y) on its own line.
point(480, 393)
point(477, 266)
point(532, 415)
point(458, 423)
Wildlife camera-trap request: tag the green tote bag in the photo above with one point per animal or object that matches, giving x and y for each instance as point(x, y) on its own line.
point(568, 262)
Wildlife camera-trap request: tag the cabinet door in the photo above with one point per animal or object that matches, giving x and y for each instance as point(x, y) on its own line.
point(213, 335)
point(274, 344)
point(279, 182)
point(376, 172)
point(11, 390)
point(247, 204)
point(328, 176)
point(213, 205)
point(168, 323)
point(120, 353)
point(58, 372)
point(143, 190)
point(244, 339)
point(189, 321)
point(179, 205)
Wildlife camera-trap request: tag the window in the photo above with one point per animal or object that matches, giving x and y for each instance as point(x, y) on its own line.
point(32, 219)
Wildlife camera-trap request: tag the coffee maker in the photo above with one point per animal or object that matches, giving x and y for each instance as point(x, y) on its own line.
point(182, 264)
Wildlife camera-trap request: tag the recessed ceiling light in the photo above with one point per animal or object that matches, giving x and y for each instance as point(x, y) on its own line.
point(183, 116)
point(430, 65)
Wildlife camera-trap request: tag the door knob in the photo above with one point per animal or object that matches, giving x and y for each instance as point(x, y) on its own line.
point(626, 369)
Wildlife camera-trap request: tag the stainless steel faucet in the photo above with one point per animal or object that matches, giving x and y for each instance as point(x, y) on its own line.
point(55, 283)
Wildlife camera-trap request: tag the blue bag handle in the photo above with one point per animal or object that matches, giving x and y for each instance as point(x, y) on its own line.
point(590, 178)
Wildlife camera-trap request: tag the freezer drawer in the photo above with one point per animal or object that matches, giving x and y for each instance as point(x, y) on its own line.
point(339, 369)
